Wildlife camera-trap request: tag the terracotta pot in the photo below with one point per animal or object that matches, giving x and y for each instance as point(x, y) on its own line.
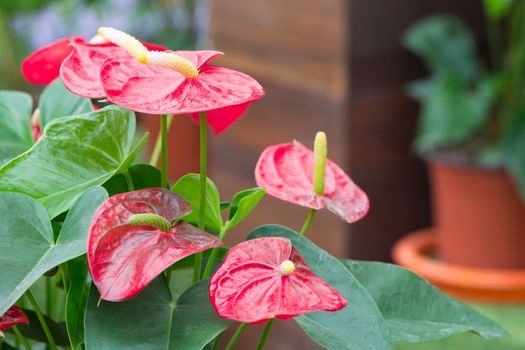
point(416, 250)
point(479, 217)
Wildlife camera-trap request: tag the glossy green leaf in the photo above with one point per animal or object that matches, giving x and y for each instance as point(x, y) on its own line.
point(56, 101)
point(75, 154)
point(445, 44)
point(76, 300)
point(188, 187)
point(358, 326)
point(153, 321)
point(27, 244)
point(243, 203)
point(34, 330)
point(142, 176)
point(15, 125)
point(414, 310)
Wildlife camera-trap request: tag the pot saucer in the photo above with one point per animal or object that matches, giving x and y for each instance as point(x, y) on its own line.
point(415, 252)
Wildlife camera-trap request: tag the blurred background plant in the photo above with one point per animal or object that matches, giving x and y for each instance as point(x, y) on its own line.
point(30, 24)
point(473, 112)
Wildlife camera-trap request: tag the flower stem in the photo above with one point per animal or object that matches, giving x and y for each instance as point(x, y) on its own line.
point(164, 150)
point(203, 177)
point(21, 338)
point(129, 180)
point(42, 320)
point(264, 336)
point(213, 256)
point(217, 341)
point(236, 337)
point(50, 296)
point(308, 221)
point(155, 155)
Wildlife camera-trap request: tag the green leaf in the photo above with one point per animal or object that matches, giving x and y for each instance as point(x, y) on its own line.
point(15, 124)
point(445, 44)
point(414, 310)
point(57, 101)
point(75, 154)
point(497, 9)
point(358, 326)
point(452, 111)
point(27, 244)
point(142, 176)
point(242, 204)
point(188, 187)
point(76, 300)
point(225, 205)
point(34, 330)
point(153, 321)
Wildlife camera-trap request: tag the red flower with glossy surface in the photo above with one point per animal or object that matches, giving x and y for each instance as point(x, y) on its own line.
point(154, 82)
point(43, 65)
point(12, 317)
point(265, 278)
point(125, 255)
point(286, 171)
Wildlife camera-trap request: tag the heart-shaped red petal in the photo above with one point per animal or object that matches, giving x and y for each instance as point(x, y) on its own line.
point(43, 65)
point(11, 317)
point(286, 172)
point(124, 258)
point(249, 286)
point(129, 257)
point(160, 90)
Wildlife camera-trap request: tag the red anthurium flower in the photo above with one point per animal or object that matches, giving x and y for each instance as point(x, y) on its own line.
point(286, 171)
point(132, 239)
point(43, 65)
point(11, 317)
point(265, 278)
point(154, 82)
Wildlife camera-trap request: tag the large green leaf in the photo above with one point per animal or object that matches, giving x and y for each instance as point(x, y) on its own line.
point(153, 321)
point(15, 125)
point(446, 45)
point(76, 301)
point(142, 176)
point(414, 310)
point(243, 203)
point(360, 325)
point(188, 187)
point(57, 101)
point(27, 244)
point(75, 154)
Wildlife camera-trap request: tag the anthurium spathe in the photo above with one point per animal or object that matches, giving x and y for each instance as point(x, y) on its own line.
point(155, 82)
point(12, 317)
point(286, 171)
point(264, 278)
point(133, 237)
point(43, 65)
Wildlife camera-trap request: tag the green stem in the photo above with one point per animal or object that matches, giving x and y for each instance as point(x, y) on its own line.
point(42, 320)
point(164, 151)
point(21, 338)
point(308, 221)
point(264, 336)
point(129, 180)
point(217, 341)
point(155, 155)
point(213, 257)
point(51, 296)
point(65, 281)
point(202, 201)
point(236, 336)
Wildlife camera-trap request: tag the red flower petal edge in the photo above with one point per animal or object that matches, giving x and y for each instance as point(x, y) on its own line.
point(286, 172)
point(159, 90)
point(125, 258)
point(249, 286)
point(11, 317)
point(43, 65)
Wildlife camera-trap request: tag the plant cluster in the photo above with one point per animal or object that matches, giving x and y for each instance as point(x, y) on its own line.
point(112, 242)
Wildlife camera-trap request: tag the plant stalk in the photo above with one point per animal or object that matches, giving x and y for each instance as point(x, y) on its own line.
point(236, 337)
point(129, 180)
point(20, 337)
point(164, 150)
point(213, 257)
point(155, 155)
point(203, 177)
point(264, 336)
point(308, 221)
point(51, 342)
